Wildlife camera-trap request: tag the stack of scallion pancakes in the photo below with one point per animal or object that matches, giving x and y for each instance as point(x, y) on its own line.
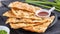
point(22, 15)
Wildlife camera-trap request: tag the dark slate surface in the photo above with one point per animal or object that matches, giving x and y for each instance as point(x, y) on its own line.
point(53, 30)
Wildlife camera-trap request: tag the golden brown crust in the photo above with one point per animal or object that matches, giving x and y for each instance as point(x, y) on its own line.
point(10, 14)
point(33, 27)
point(22, 15)
point(15, 20)
point(24, 6)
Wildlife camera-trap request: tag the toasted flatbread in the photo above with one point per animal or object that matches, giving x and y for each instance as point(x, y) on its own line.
point(10, 14)
point(20, 25)
point(15, 20)
point(33, 27)
point(20, 14)
point(23, 6)
point(40, 28)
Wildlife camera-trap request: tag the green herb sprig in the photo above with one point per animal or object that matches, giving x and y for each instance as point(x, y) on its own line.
point(46, 3)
